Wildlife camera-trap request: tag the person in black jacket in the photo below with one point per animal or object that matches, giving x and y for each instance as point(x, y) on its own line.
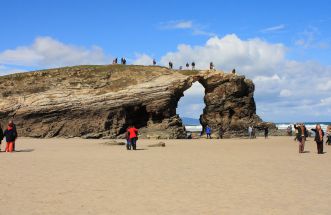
point(301, 136)
point(1, 136)
point(11, 135)
point(319, 134)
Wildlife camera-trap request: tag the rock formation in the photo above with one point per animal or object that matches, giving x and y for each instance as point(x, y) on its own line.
point(102, 101)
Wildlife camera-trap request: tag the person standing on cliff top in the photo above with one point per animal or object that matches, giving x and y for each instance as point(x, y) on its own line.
point(170, 65)
point(208, 132)
point(193, 65)
point(154, 62)
point(187, 65)
point(211, 66)
point(133, 135)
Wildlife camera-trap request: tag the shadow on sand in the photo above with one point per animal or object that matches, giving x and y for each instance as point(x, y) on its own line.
point(25, 150)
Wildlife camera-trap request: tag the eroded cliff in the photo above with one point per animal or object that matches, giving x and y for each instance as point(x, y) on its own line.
point(102, 101)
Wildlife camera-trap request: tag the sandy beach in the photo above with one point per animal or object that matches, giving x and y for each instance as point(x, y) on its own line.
point(234, 176)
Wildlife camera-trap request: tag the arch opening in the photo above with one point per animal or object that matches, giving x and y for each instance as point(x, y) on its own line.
point(190, 107)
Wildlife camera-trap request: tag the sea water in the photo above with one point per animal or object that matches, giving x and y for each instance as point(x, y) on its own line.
point(283, 126)
point(309, 125)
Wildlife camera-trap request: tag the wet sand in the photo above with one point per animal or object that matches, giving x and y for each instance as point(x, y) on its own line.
point(237, 176)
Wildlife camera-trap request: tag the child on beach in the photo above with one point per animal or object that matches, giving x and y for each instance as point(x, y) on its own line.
point(10, 134)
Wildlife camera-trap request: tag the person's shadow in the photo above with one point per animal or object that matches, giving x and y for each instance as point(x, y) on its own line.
point(25, 150)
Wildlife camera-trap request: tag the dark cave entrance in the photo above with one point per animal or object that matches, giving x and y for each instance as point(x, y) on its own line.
point(190, 108)
point(135, 115)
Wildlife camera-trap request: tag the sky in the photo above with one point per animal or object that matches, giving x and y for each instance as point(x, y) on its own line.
point(283, 46)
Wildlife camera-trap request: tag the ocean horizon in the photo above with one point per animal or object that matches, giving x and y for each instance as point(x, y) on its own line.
point(280, 125)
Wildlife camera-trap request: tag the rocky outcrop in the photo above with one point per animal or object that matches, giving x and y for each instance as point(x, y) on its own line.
point(102, 101)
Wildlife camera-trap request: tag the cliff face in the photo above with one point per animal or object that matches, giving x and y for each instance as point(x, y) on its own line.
point(102, 101)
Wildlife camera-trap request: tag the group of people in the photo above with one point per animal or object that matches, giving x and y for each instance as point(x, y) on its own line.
point(171, 64)
point(10, 135)
point(208, 131)
point(301, 134)
point(252, 132)
point(131, 137)
point(123, 61)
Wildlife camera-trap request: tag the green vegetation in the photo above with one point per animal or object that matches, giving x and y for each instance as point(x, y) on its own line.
point(188, 72)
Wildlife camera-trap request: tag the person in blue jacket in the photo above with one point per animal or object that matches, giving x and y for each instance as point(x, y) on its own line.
point(208, 132)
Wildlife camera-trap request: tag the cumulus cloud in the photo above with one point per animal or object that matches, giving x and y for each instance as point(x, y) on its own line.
point(250, 56)
point(143, 59)
point(285, 89)
point(48, 52)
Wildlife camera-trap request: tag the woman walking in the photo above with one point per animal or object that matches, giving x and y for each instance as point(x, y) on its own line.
point(319, 134)
point(301, 136)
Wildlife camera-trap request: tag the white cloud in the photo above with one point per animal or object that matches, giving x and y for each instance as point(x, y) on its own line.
point(285, 93)
point(309, 39)
point(181, 24)
point(250, 56)
point(196, 29)
point(195, 89)
point(285, 89)
point(325, 86)
point(326, 101)
point(47, 52)
point(273, 28)
point(143, 59)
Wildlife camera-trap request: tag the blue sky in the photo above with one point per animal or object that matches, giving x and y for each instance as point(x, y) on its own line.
point(293, 37)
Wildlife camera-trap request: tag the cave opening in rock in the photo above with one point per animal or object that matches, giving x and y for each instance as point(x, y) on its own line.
point(191, 106)
point(135, 115)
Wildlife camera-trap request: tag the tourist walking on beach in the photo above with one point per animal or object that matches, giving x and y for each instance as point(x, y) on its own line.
point(133, 135)
point(127, 137)
point(208, 132)
point(328, 135)
point(1, 136)
point(11, 122)
point(301, 136)
point(250, 130)
point(266, 132)
point(221, 132)
point(319, 134)
point(10, 134)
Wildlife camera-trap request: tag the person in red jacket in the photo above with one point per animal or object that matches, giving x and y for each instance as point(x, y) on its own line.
point(10, 134)
point(133, 136)
point(1, 136)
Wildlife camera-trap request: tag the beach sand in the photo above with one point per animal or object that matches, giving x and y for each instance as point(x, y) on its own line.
point(235, 176)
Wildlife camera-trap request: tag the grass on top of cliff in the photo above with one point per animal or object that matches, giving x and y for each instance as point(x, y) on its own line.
point(105, 78)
